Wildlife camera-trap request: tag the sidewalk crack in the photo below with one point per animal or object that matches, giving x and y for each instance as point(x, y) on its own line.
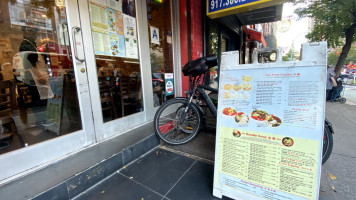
point(141, 185)
point(165, 196)
point(343, 155)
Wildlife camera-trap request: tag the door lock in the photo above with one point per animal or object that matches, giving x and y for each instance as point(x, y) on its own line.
point(82, 70)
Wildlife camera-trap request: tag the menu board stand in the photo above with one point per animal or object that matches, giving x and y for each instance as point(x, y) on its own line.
point(54, 111)
point(270, 126)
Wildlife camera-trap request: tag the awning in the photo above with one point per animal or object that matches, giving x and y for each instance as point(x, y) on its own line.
point(264, 15)
point(253, 35)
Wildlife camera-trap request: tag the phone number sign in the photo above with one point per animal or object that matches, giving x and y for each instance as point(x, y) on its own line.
point(220, 8)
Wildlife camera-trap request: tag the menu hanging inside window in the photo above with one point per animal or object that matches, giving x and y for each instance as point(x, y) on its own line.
point(114, 4)
point(114, 33)
point(98, 16)
point(117, 45)
point(101, 41)
point(130, 36)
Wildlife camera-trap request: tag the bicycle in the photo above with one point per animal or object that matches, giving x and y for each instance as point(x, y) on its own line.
point(177, 121)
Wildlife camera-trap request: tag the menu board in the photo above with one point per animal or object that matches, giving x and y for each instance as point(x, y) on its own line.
point(111, 20)
point(101, 41)
point(114, 33)
point(98, 16)
point(114, 4)
point(119, 23)
point(269, 132)
point(55, 105)
point(117, 45)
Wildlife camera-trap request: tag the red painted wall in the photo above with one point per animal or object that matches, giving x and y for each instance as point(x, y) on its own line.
point(196, 34)
point(196, 29)
point(183, 42)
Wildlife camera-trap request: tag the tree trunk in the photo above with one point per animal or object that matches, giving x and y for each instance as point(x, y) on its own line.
point(349, 34)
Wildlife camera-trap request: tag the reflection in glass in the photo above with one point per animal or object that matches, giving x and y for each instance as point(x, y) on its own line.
point(38, 96)
point(212, 46)
point(115, 40)
point(160, 30)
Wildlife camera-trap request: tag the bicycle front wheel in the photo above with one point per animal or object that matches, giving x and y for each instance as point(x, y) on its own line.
point(175, 126)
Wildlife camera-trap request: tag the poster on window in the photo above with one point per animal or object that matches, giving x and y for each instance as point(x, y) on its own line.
point(169, 84)
point(131, 48)
point(117, 45)
point(99, 2)
point(98, 16)
point(119, 23)
point(111, 20)
point(129, 26)
point(101, 41)
point(154, 35)
point(114, 4)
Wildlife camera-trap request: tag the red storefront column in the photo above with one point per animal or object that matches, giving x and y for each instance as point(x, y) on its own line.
point(196, 35)
point(196, 29)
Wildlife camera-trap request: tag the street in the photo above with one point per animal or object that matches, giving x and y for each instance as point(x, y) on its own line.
point(338, 174)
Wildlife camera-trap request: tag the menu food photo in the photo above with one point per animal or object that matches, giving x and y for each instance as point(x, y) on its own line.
point(269, 132)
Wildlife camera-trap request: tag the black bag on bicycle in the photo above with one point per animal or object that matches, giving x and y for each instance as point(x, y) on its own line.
point(199, 66)
point(195, 67)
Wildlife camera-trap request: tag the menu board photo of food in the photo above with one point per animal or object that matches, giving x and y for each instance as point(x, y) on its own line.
point(238, 88)
point(117, 45)
point(111, 20)
point(262, 116)
point(259, 116)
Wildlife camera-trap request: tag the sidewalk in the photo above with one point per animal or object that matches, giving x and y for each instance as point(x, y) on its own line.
point(160, 174)
point(166, 174)
point(338, 174)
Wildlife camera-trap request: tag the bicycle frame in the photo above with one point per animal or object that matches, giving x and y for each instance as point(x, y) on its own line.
point(198, 92)
point(191, 110)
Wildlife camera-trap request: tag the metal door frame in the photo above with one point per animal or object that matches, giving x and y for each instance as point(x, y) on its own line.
point(29, 159)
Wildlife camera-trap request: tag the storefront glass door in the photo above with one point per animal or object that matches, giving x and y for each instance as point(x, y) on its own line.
point(161, 50)
point(44, 92)
point(112, 49)
point(74, 73)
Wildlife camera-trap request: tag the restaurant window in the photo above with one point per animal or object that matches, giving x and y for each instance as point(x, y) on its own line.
point(213, 48)
point(161, 52)
point(115, 39)
point(38, 95)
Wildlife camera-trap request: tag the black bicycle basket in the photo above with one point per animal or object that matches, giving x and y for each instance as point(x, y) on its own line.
point(199, 66)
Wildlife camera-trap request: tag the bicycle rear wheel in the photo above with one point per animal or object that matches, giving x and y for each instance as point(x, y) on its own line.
point(328, 142)
point(169, 125)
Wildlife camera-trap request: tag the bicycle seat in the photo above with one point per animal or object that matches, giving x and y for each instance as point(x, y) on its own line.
point(211, 60)
point(199, 66)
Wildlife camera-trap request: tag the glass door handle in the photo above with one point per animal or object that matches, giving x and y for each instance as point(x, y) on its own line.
point(76, 29)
